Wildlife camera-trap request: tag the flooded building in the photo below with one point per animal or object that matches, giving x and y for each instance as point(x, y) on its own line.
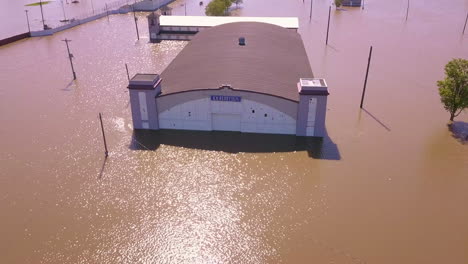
point(246, 76)
point(351, 2)
point(167, 27)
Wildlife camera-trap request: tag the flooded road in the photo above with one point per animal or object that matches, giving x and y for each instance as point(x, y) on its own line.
point(388, 185)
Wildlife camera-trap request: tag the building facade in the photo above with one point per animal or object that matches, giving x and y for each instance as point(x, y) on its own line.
point(218, 83)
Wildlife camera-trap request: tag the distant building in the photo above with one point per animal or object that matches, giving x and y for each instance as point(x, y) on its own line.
point(351, 3)
point(246, 76)
point(150, 5)
point(168, 27)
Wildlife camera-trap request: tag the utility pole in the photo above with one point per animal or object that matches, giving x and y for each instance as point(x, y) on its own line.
point(185, 6)
point(136, 25)
point(328, 27)
point(27, 19)
point(70, 56)
point(367, 74)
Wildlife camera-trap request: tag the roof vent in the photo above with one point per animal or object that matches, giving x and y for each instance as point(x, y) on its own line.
point(241, 41)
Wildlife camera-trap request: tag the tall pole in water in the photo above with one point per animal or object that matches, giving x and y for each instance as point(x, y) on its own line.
point(311, 4)
point(407, 10)
point(92, 6)
point(128, 75)
point(465, 23)
point(63, 9)
point(42, 14)
point(103, 136)
point(70, 56)
point(367, 74)
point(328, 27)
point(136, 25)
point(27, 19)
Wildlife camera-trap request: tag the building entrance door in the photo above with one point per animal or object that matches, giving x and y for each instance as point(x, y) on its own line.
point(226, 122)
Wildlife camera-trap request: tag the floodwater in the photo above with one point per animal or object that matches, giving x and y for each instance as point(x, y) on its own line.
point(388, 185)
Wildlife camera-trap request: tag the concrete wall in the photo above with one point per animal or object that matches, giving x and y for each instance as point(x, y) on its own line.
point(139, 122)
point(320, 113)
point(14, 38)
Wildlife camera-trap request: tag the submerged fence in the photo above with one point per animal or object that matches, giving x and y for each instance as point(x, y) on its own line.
point(117, 7)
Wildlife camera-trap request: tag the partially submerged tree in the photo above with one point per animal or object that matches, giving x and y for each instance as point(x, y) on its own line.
point(453, 89)
point(216, 8)
point(338, 3)
point(219, 7)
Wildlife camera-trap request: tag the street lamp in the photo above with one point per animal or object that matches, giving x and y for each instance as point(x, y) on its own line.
point(40, 4)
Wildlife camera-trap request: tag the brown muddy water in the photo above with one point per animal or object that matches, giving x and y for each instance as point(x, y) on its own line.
point(388, 184)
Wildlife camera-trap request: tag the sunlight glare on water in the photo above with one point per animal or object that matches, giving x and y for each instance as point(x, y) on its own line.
point(388, 185)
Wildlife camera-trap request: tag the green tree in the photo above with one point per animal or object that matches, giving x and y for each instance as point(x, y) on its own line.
point(453, 89)
point(217, 7)
point(338, 3)
point(237, 2)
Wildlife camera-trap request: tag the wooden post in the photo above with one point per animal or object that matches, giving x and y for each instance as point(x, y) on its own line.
point(136, 25)
point(27, 19)
point(328, 26)
point(104, 136)
point(310, 15)
point(407, 11)
point(92, 6)
point(367, 74)
point(107, 12)
point(465, 23)
point(128, 75)
point(42, 15)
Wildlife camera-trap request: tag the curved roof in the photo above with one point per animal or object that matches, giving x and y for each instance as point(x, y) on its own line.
point(271, 62)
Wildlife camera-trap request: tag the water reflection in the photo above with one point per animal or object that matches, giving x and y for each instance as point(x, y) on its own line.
point(375, 118)
point(235, 142)
point(459, 131)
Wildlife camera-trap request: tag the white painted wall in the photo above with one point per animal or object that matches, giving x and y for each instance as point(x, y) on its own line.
point(204, 114)
point(192, 115)
point(143, 106)
point(311, 117)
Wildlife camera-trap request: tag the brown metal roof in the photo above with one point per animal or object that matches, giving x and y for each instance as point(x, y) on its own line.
point(271, 62)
